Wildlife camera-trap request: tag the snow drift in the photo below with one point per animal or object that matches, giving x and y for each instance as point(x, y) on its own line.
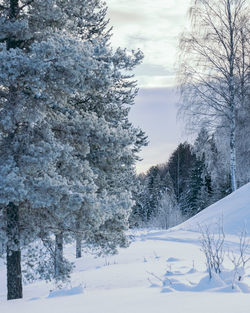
point(233, 211)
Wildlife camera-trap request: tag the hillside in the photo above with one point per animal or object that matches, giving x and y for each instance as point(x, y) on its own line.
point(233, 210)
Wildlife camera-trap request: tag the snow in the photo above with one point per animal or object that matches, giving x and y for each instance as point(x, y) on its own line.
point(161, 271)
point(234, 210)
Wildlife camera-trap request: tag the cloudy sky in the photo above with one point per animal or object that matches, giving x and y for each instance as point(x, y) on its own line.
point(154, 27)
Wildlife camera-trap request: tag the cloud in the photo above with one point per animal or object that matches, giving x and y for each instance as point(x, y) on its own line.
point(154, 27)
point(153, 70)
point(147, 81)
point(120, 17)
point(155, 113)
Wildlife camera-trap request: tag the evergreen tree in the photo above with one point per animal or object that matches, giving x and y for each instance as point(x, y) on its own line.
point(199, 188)
point(201, 193)
point(50, 56)
point(112, 152)
point(180, 166)
point(138, 217)
point(154, 190)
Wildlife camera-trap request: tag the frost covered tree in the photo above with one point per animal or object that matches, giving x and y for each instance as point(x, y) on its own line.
point(221, 142)
point(243, 143)
point(153, 193)
point(155, 200)
point(37, 78)
point(138, 217)
point(50, 57)
point(168, 213)
point(214, 66)
point(113, 149)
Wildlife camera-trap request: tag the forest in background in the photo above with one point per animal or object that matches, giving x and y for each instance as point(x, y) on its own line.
point(214, 82)
point(195, 176)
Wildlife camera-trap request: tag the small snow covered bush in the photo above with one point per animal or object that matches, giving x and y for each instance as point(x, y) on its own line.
point(240, 260)
point(212, 245)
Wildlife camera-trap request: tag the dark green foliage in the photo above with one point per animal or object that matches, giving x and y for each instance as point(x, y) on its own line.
point(154, 187)
point(194, 176)
point(199, 189)
point(179, 166)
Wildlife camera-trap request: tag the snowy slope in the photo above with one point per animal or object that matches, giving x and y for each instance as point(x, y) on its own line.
point(234, 210)
point(161, 271)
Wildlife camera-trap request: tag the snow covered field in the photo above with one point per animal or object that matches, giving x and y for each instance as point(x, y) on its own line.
point(161, 271)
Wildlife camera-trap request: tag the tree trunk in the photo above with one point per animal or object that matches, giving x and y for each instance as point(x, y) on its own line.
point(58, 254)
point(232, 103)
point(78, 239)
point(13, 258)
point(78, 246)
point(233, 156)
point(13, 255)
point(178, 176)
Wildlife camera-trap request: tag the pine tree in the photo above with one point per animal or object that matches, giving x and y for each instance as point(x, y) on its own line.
point(112, 152)
point(49, 173)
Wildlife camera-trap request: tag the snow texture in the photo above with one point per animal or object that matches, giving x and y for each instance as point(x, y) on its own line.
point(233, 210)
point(160, 271)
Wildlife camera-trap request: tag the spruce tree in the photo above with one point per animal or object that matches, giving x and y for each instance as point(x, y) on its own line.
point(180, 166)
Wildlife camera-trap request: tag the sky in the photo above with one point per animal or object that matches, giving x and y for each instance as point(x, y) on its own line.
point(154, 27)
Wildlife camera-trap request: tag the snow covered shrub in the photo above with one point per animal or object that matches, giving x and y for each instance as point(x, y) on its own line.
point(39, 261)
point(240, 260)
point(212, 245)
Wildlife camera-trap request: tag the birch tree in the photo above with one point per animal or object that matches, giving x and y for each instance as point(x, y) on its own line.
point(214, 66)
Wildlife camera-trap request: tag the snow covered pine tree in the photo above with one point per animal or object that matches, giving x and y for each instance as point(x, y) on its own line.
point(49, 172)
point(113, 149)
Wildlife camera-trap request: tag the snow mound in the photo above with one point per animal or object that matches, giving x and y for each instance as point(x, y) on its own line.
point(172, 259)
point(66, 292)
point(217, 283)
point(233, 210)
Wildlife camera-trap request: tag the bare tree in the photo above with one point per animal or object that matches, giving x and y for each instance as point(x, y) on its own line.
point(214, 66)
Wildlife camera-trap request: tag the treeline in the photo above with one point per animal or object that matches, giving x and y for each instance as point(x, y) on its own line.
point(214, 84)
point(195, 176)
